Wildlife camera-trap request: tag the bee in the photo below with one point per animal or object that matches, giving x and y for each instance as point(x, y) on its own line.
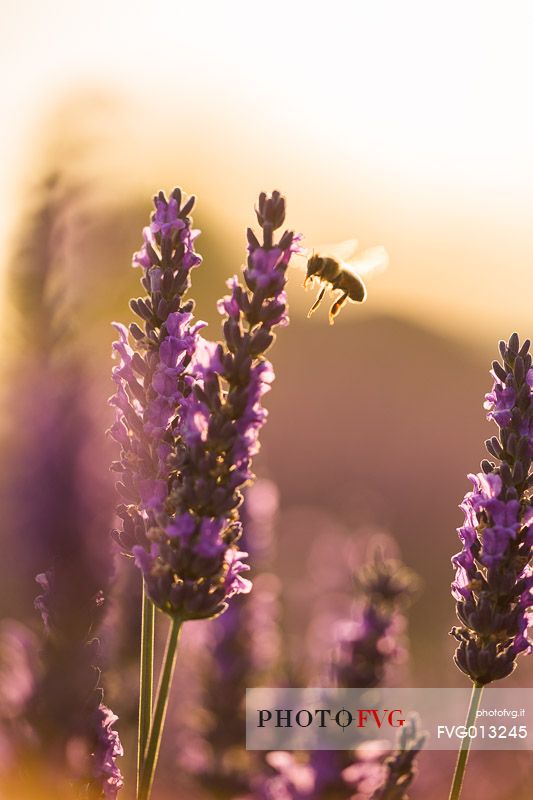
point(339, 268)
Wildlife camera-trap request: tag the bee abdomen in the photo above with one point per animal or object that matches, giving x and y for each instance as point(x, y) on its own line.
point(352, 284)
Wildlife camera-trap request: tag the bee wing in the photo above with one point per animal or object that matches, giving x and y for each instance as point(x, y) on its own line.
point(340, 251)
point(373, 260)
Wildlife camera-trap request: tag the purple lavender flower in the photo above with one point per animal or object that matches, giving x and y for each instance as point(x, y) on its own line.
point(66, 519)
point(189, 411)
point(292, 779)
point(368, 645)
point(319, 774)
point(243, 650)
point(365, 648)
point(400, 765)
point(153, 375)
point(493, 586)
point(366, 774)
point(73, 678)
point(108, 748)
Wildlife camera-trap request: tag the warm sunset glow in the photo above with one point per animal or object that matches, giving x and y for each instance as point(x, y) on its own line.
point(185, 441)
point(411, 125)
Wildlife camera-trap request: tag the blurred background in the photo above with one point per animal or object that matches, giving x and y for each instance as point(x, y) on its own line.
point(402, 125)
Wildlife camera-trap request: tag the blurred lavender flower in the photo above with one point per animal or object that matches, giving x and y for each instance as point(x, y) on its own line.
point(18, 671)
point(106, 750)
point(293, 779)
point(366, 772)
point(319, 775)
point(73, 653)
point(189, 411)
point(365, 649)
point(400, 765)
point(69, 513)
point(494, 578)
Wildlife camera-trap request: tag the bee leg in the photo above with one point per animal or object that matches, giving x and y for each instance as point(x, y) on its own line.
point(317, 301)
point(336, 307)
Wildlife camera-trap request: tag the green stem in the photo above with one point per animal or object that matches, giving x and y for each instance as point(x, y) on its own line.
point(158, 721)
point(464, 750)
point(146, 679)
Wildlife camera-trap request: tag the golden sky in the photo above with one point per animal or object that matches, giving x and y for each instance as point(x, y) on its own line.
point(403, 124)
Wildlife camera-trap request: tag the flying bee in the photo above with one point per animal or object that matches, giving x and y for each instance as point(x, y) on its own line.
point(339, 268)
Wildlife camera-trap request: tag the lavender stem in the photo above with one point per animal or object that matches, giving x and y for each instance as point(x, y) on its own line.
point(146, 679)
point(156, 730)
point(464, 750)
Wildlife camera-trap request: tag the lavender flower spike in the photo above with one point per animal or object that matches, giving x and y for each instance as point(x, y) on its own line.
point(108, 748)
point(189, 411)
point(400, 766)
point(153, 370)
point(494, 576)
point(367, 647)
